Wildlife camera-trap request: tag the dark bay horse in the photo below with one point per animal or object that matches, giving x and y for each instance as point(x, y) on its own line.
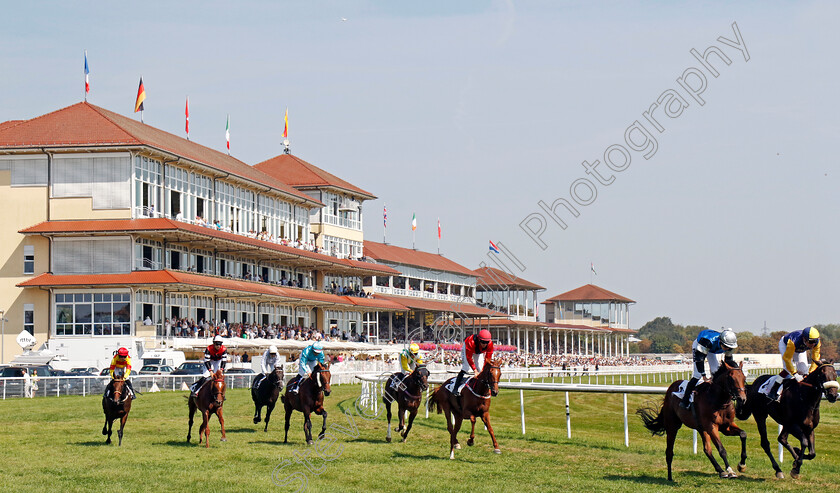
point(473, 402)
point(209, 400)
point(711, 413)
point(309, 398)
point(266, 394)
point(408, 394)
point(116, 403)
point(798, 411)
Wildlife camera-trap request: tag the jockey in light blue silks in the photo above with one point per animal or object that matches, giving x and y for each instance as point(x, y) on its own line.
point(309, 358)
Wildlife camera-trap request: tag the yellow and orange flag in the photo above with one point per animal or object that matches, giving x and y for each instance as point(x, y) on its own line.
point(286, 126)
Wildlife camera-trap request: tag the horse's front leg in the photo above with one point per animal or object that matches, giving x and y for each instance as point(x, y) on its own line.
point(109, 423)
point(192, 413)
point(268, 408)
point(707, 449)
point(733, 430)
point(257, 412)
point(471, 439)
point(388, 414)
point(453, 439)
point(761, 424)
point(715, 435)
point(122, 425)
point(221, 423)
point(324, 424)
point(204, 430)
point(307, 427)
point(402, 407)
point(289, 411)
point(486, 418)
point(795, 452)
point(412, 412)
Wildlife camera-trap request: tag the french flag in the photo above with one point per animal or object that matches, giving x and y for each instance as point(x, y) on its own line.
point(493, 247)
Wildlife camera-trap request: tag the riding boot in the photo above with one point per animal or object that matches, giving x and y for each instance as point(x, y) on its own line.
point(686, 400)
point(775, 389)
point(131, 389)
point(455, 388)
point(293, 384)
point(194, 388)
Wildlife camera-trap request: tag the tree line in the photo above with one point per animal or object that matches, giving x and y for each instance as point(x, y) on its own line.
point(661, 335)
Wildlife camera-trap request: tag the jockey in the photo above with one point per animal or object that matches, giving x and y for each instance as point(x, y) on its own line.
point(708, 345)
point(477, 349)
point(215, 358)
point(270, 360)
point(309, 358)
point(410, 358)
point(121, 368)
point(793, 348)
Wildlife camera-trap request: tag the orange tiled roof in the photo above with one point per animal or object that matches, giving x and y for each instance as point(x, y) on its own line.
point(87, 125)
point(166, 277)
point(406, 256)
point(163, 224)
point(491, 277)
point(441, 306)
point(589, 292)
point(298, 173)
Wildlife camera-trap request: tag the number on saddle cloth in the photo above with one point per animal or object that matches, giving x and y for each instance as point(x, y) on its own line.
point(397, 380)
point(449, 385)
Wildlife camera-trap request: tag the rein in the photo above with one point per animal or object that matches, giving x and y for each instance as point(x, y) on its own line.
point(486, 380)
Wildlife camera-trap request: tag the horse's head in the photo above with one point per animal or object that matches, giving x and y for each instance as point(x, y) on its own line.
point(118, 393)
point(219, 388)
point(490, 375)
point(421, 377)
point(276, 376)
point(825, 378)
point(321, 376)
point(733, 380)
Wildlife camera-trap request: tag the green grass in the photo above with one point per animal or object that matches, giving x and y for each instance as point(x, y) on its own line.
point(54, 444)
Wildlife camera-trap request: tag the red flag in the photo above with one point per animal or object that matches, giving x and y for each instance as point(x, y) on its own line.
point(286, 125)
point(438, 228)
point(187, 114)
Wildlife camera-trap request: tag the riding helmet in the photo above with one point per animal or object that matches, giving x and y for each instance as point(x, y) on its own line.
point(484, 335)
point(414, 348)
point(272, 350)
point(728, 339)
point(318, 347)
point(217, 339)
point(122, 352)
point(812, 334)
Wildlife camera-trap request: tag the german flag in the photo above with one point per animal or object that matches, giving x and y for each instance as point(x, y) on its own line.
point(141, 96)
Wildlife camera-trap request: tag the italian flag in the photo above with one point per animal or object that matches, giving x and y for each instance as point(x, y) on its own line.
point(227, 133)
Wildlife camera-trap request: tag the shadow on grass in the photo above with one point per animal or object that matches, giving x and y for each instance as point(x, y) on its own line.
point(240, 430)
point(644, 479)
point(444, 457)
point(94, 443)
point(183, 443)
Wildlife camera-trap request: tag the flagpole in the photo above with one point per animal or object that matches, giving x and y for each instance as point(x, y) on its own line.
point(384, 222)
point(438, 236)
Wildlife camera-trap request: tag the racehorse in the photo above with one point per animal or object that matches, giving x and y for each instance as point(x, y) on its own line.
point(408, 394)
point(309, 398)
point(266, 394)
point(473, 402)
point(116, 403)
point(798, 411)
point(209, 400)
point(711, 413)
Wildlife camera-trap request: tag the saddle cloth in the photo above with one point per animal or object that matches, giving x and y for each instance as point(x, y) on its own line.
point(765, 388)
point(395, 383)
point(681, 391)
point(450, 384)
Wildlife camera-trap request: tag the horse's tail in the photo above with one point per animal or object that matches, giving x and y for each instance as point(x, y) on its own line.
point(743, 411)
point(434, 399)
point(652, 419)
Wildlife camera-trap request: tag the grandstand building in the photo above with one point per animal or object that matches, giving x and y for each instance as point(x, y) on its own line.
point(114, 227)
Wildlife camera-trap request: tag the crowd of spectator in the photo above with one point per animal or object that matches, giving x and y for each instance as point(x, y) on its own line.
point(353, 290)
point(183, 327)
point(512, 359)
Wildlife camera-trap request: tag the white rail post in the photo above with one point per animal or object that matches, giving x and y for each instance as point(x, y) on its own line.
point(781, 450)
point(694, 440)
point(626, 429)
point(522, 408)
point(568, 418)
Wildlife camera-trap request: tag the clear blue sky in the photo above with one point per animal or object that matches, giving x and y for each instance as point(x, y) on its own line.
point(475, 111)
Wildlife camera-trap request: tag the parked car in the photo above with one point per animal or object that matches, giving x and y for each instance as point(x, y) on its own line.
point(11, 382)
point(189, 368)
point(239, 371)
point(106, 372)
point(155, 370)
point(84, 371)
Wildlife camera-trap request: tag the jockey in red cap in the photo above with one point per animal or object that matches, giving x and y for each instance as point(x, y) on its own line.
point(477, 349)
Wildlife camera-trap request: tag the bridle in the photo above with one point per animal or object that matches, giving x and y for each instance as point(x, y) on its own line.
point(217, 392)
point(488, 380)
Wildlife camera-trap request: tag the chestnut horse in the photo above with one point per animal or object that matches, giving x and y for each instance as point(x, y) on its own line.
point(711, 413)
point(209, 400)
point(309, 398)
point(266, 394)
point(473, 402)
point(798, 411)
point(408, 394)
point(116, 403)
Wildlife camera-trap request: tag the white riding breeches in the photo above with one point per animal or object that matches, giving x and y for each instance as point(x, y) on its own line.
point(214, 367)
point(712, 359)
point(478, 360)
point(799, 360)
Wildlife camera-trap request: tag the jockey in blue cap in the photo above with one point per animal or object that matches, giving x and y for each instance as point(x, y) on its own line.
point(309, 358)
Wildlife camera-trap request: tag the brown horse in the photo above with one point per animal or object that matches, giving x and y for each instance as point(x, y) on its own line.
point(473, 402)
point(209, 400)
point(116, 403)
point(266, 394)
point(711, 413)
point(798, 411)
point(309, 398)
point(408, 394)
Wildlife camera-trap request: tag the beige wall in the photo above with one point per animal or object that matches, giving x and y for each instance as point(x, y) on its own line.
point(21, 208)
point(337, 231)
point(82, 208)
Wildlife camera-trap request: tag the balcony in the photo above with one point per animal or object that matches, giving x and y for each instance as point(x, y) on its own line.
point(422, 294)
